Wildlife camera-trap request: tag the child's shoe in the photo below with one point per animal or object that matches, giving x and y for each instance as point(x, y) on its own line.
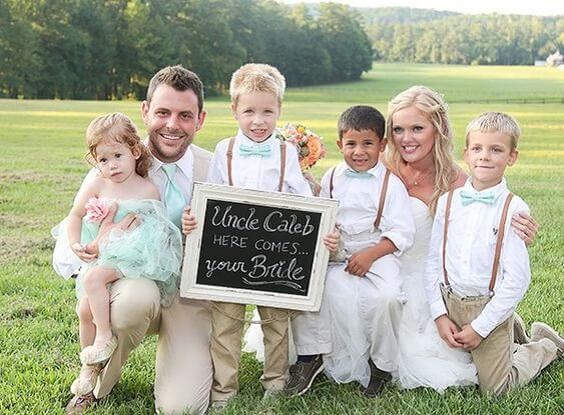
point(544, 331)
point(302, 375)
point(91, 355)
point(520, 335)
point(86, 380)
point(378, 379)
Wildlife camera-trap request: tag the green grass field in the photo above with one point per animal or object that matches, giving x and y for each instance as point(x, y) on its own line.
point(42, 164)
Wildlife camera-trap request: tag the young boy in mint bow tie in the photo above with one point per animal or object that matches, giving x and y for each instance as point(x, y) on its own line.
point(354, 335)
point(254, 159)
point(478, 268)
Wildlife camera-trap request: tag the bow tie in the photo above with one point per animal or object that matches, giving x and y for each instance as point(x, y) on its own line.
point(468, 197)
point(357, 174)
point(256, 150)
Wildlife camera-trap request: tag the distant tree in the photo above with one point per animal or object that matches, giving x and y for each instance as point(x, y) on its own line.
point(345, 41)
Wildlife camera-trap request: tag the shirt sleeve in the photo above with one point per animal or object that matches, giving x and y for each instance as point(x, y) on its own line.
point(514, 277)
point(294, 178)
point(218, 163)
point(397, 222)
point(325, 182)
point(433, 264)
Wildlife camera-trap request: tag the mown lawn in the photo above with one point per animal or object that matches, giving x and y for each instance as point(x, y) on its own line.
point(41, 166)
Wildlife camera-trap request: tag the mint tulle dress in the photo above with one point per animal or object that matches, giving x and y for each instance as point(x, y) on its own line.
point(152, 250)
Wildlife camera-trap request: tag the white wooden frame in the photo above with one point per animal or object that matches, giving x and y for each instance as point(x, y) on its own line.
point(311, 302)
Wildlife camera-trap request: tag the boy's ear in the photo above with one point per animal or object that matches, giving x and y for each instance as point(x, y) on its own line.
point(340, 144)
point(383, 143)
point(234, 110)
point(513, 157)
point(136, 153)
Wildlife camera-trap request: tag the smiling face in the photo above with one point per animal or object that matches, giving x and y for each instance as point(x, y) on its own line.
point(257, 114)
point(172, 119)
point(361, 149)
point(487, 156)
point(413, 134)
point(115, 161)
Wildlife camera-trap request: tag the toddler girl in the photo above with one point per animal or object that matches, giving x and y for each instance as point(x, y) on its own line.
point(144, 244)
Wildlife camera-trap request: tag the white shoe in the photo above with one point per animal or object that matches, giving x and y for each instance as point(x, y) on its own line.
point(91, 355)
point(544, 331)
point(86, 379)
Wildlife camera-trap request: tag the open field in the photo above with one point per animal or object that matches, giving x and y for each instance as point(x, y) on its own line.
point(42, 164)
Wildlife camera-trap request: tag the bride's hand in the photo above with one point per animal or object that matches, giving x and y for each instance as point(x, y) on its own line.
point(525, 226)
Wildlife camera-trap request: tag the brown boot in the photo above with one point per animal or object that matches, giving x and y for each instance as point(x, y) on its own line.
point(378, 379)
point(80, 403)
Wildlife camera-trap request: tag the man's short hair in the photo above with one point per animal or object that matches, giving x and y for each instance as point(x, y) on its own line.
point(179, 78)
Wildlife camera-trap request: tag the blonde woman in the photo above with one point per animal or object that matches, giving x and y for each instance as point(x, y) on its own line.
point(420, 152)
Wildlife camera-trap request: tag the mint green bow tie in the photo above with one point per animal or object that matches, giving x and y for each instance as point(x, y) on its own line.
point(468, 197)
point(258, 150)
point(173, 198)
point(357, 174)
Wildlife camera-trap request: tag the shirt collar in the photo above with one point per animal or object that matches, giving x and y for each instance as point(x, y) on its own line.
point(185, 163)
point(497, 190)
point(375, 171)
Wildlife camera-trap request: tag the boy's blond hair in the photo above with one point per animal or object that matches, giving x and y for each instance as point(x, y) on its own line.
point(495, 122)
point(257, 77)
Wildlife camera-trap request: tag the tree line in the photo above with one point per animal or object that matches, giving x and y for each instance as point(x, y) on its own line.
point(412, 35)
point(109, 49)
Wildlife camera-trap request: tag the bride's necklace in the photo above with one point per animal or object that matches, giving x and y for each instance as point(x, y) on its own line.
point(418, 178)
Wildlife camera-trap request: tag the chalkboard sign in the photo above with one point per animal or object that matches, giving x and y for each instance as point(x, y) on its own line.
point(255, 247)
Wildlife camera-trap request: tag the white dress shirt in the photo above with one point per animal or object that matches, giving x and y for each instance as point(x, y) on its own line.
point(470, 249)
point(256, 171)
point(358, 205)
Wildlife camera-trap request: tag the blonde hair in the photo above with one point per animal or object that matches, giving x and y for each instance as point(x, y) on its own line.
point(495, 122)
point(257, 77)
point(431, 104)
point(117, 127)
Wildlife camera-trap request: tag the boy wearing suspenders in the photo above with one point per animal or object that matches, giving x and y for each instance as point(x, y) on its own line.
point(356, 328)
point(254, 159)
point(478, 268)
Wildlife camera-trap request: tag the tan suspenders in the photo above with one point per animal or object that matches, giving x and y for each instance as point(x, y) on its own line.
point(383, 192)
point(498, 243)
point(282, 163)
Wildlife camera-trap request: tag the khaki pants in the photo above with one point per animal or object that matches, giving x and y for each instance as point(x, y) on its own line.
point(227, 329)
point(183, 369)
point(500, 362)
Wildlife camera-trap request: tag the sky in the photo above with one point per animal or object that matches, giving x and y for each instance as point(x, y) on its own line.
point(534, 7)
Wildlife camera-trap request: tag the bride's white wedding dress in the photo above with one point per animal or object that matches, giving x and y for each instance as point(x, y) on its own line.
point(425, 359)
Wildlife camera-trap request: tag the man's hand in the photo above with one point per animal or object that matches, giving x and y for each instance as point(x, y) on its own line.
point(127, 224)
point(447, 330)
point(188, 221)
point(468, 337)
point(359, 263)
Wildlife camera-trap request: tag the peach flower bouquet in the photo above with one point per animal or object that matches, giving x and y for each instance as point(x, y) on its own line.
point(309, 145)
